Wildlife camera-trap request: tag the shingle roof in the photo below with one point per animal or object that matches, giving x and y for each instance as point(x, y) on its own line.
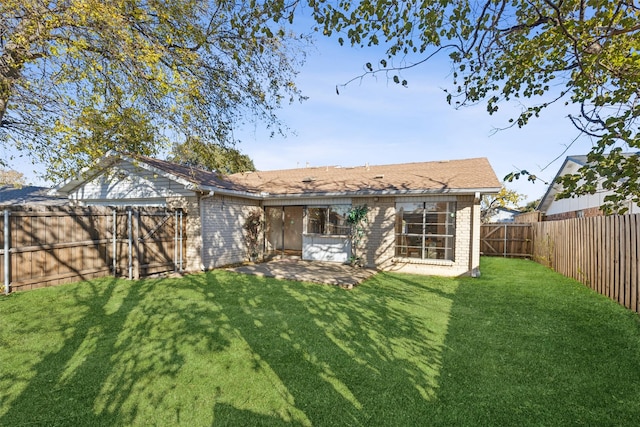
point(198, 177)
point(440, 176)
point(454, 176)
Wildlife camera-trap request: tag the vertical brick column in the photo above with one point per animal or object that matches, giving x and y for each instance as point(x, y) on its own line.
point(379, 238)
point(193, 230)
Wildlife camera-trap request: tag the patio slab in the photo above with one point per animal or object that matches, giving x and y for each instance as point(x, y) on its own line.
point(330, 273)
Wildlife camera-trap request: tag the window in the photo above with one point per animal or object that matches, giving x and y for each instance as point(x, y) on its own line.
point(317, 220)
point(330, 220)
point(425, 230)
point(338, 220)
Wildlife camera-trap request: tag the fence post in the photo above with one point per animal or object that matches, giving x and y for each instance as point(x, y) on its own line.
point(175, 242)
point(130, 242)
point(7, 240)
point(181, 245)
point(136, 240)
point(504, 249)
point(114, 243)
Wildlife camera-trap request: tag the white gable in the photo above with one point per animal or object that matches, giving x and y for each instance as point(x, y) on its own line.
point(550, 206)
point(126, 184)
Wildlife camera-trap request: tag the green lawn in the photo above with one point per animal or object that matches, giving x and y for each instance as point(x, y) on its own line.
point(518, 346)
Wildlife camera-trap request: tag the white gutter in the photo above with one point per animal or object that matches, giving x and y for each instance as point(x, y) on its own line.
point(224, 192)
point(269, 196)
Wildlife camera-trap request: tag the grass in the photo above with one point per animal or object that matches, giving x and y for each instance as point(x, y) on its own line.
point(519, 346)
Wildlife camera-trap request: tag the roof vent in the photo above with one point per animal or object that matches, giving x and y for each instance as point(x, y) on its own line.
point(381, 176)
point(309, 179)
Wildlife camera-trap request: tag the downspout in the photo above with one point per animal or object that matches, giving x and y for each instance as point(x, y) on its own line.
point(475, 272)
point(7, 286)
point(282, 218)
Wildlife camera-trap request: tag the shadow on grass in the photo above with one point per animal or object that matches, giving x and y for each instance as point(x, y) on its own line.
point(64, 347)
point(228, 349)
point(221, 349)
point(105, 352)
point(366, 357)
point(526, 346)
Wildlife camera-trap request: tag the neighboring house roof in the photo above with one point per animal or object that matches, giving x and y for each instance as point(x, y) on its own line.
point(455, 176)
point(29, 195)
point(502, 214)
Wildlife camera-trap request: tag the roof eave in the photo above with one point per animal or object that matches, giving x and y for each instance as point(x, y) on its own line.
point(374, 193)
point(212, 190)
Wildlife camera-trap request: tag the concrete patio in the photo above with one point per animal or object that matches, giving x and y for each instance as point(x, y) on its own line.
point(330, 273)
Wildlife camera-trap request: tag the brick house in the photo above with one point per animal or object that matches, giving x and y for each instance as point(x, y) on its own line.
point(422, 217)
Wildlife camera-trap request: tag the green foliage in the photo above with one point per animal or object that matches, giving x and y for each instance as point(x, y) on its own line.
point(585, 53)
point(253, 226)
point(209, 156)
point(530, 206)
point(357, 219)
point(505, 198)
point(12, 178)
point(81, 77)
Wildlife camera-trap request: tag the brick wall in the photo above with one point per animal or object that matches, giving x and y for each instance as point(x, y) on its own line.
point(584, 213)
point(222, 234)
point(464, 245)
point(219, 237)
point(193, 234)
point(379, 239)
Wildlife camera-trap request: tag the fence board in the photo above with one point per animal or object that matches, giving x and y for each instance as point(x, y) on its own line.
point(600, 252)
point(508, 240)
point(633, 266)
point(616, 259)
point(58, 245)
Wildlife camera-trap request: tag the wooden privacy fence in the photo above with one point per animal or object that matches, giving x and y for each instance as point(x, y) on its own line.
point(507, 240)
point(601, 252)
point(50, 246)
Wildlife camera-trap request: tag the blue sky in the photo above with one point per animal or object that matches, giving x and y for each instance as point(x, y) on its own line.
point(375, 121)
